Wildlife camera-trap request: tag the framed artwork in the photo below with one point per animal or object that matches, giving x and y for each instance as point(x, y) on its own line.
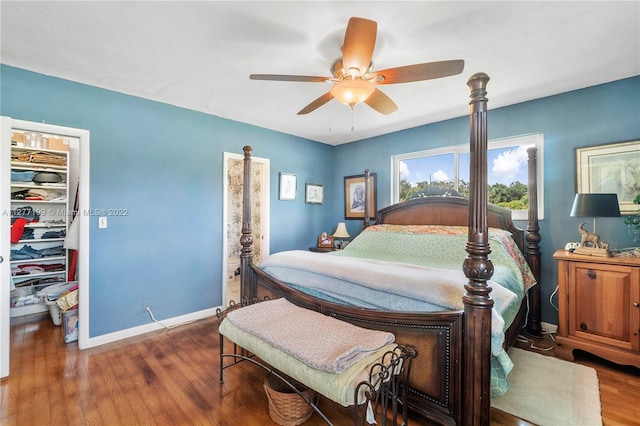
point(288, 187)
point(354, 196)
point(325, 240)
point(612, 168)
point(314, 194)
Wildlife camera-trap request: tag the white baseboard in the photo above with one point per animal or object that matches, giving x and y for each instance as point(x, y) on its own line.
point(146, 328)
point(195, 316)
point(552, 328)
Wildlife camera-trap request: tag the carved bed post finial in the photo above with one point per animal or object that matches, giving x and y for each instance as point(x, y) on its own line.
point(534, 325)
point(247, 290)
point(367, 214)
point(478, 268)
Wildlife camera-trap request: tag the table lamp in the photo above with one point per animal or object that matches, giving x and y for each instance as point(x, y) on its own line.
point(595, 205)
point(340, 234)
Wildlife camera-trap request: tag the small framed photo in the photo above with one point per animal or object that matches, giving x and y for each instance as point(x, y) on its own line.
point(611, 168)
point(288, 187)
point(325, 240)
point(354, 196)
point(314, 194)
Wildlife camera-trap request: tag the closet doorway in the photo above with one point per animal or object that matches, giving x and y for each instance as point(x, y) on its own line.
point(78, 179)
point(233, 173)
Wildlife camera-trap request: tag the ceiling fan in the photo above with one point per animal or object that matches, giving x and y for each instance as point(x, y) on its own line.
point(353, 79)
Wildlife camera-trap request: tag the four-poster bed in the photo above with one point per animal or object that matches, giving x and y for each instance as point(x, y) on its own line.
point(450, 379)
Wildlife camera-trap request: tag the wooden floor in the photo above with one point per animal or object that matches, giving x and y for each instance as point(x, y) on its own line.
point(170, 377)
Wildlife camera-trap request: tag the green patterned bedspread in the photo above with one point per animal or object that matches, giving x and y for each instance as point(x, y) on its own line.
point(444, 247)
point(441, 247)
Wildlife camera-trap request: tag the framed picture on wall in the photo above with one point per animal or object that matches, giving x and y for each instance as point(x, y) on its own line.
point(354, 196)
point(611, 168)
point(288, 187)
point(314, 194)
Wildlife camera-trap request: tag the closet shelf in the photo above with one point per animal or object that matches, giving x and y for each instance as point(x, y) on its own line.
point(38, 167)
point(45, 225)
point(40, 201)
point(39, 260)
point(39, 240)
point(39, 275)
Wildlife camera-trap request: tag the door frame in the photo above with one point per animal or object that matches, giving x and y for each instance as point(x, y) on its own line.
point(265, 209)
point(6, 124)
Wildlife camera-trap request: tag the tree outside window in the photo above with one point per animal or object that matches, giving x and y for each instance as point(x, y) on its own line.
point(445, 172)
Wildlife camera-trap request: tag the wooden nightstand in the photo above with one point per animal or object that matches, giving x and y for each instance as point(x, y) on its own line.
point(322, 249)
point(599, 306)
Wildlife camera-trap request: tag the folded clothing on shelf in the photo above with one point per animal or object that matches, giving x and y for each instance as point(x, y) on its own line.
point(26, 212)
point(28, 252)
point(54, 234)
point(43, 194)
point(40, 157)
point(19, 194)
point(22, 175)
point(31, 268)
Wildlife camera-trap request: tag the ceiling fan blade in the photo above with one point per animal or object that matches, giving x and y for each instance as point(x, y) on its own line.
point(418, 72)
point(316, 104)
point(280, 77)
point(381, 102)
point(359, 41)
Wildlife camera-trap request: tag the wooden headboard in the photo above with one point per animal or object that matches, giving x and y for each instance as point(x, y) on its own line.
point(451, 211)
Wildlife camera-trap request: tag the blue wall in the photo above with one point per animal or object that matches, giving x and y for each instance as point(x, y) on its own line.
point(164, 164)
point(597, 115)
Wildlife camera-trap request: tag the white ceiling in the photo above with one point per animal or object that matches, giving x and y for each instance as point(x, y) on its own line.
point(199, 55)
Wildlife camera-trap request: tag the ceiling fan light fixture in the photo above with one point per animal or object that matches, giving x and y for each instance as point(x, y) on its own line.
point(353, 80)
point(352, 92)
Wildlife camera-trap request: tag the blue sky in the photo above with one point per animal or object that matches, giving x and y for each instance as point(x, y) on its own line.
point(506, 165)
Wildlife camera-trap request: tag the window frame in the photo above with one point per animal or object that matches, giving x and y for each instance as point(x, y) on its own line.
point(535, 139)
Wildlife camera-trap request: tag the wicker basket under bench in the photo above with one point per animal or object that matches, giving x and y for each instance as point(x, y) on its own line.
point(375, 386)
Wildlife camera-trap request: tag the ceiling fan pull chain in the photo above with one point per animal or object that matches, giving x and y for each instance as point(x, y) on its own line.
point(352, 126)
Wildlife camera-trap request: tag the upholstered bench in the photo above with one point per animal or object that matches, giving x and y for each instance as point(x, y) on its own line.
point(352, 366)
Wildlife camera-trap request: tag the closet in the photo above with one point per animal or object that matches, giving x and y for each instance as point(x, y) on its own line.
point(40, 169)
point(41, 209)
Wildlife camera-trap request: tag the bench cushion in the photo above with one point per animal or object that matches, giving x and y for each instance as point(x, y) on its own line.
point(337, 387)
point(320, 341)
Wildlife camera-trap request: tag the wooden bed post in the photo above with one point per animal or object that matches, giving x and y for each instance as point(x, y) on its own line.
point(367, 213)
point(534, 326)
point(247, 286)
point(478, 269)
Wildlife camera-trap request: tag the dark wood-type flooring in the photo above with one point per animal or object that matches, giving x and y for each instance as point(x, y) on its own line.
point(170, 377)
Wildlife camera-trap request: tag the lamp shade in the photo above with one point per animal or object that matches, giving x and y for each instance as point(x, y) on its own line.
point(341, 231)
point(596, 205)
point(352, 92)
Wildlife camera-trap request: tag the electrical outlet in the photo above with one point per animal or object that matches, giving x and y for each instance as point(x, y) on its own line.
point(146, 304)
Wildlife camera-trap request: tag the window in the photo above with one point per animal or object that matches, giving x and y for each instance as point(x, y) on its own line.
point(445, 171)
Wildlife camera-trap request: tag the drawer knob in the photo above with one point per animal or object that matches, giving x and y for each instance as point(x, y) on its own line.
point(583, 326)
point(636, 304)
point(592, 274)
